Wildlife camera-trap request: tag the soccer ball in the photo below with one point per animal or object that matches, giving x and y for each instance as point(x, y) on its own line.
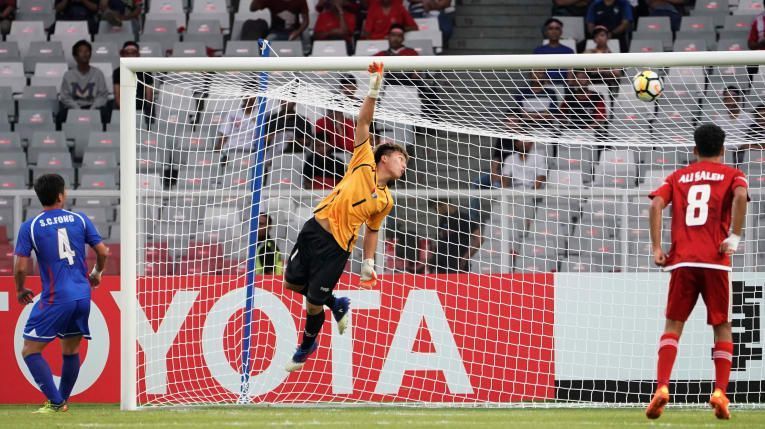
point(647, 85)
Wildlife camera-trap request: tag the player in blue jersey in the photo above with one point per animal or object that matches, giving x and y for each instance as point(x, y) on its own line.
point(58, 238)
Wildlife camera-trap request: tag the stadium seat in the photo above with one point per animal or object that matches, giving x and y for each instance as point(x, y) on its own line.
point(576, 157)
point(694, 44)
point(602, 212)
point(329, 48)
point(653, 178)
point(241, 49)
point(422, 46)
point(682, 82)
point(4, 123)
point(197, 178)
point(369, 48)
point(100, 142)
point(105, 27)
point(753, 166)
point(205, 30)
point(432, 34)
point(13, 163)
point(118, 39)
point(14, 181)
point(13, 75)
point(36, 10)
point(149, 182)
point(34, 120)
point(43, 52)
point(286, 48)
point(593, 263)
point(732, 44)
point(654, 28)
point(189, 49)
point(162, 32)
point(404, 98)
point(152, 49)
point(106, 52)
point(70, 30)
point(97, 215)
point(10, 142)
point(286, 171)
point(697, 24)
point(244, 15)
point(151, 156)
point(573, 27)
point(44, 142)
point(100, 163)
point(170, 10)
point(9, 52)
point(711, 6)
point(49, 74)
point(80, 123)
point(26, 32)
point(741, 23)
point(551, 234)
point(709, 38)
point(7, 102)
point(616, 169)
point(564, 179)
point(643, 45)
point(97, 181)
point(39, 97)
point(748, 7)
point(59, 162)
point(212, 10)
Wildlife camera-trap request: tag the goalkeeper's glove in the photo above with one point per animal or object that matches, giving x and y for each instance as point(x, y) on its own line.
point(375, 79)
point(368, 275)
point(730, 244)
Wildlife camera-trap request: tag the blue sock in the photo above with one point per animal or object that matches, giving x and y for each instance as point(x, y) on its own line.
point(43, 377)
point(70, 369)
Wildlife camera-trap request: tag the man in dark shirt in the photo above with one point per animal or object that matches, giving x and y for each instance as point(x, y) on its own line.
point(615, 15)
point(288, 132)
point(582, 108)
point(289, 18)
point(553, 29)
point(78, 10)
point(459, 238)
point(322, 170)
point(144, 94)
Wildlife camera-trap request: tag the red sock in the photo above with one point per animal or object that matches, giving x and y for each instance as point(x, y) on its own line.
point(667, 355)
point(723, 357)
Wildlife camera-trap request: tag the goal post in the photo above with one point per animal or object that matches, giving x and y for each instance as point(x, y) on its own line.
point(514, 268)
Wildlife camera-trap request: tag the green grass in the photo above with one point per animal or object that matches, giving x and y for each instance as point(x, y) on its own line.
point(106, 416)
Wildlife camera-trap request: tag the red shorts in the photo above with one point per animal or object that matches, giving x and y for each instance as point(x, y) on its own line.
point(685, 285)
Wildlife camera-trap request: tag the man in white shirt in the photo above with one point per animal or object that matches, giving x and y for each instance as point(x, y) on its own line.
point(524, 167)
point(732, 118)
point(239, 130)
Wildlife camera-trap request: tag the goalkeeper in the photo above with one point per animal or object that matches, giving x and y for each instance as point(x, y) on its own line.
point(324, 244)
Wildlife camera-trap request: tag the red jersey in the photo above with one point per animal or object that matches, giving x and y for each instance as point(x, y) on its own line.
point(329, 21)
point(400, 52)
point(378, 21)
point(339, 136)
point(757, 32)
point(701, 196)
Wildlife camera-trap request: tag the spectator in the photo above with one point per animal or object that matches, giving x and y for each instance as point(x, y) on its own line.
point(238, 132)
point(144, 99)
point(396, 47)
point(410, 252)
point(335, 23)
point(756, 130)
point(553, 28)
point(288, 131)
point(78, 10)
point(757, 33)
point(581, 107)
point(335, 128)
point(674, 9)
point(442, 9)
point(7, 15)
point(608, 77)
point(733, 119)
point(524, 168)
point(570, 7)
point(382, 15)
point(289, 19)
point(116, 12)
point(322, 170)
point(615, 15)
point(538, 102)
point(268, 257)
point(459, 238)
point(83, 87)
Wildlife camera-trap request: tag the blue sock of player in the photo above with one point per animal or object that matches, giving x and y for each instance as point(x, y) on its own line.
point(43, 377)
point(313, 324)
point(70, 369)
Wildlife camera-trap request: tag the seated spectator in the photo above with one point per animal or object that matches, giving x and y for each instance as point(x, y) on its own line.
point(322, 170)
point(732, 118)
point(442, 9)
point(348, 86)
point(609, 77)
point(337, 130)
point(756, 38)
point(459, 238)
point(335, 23)
point(289, 19)
point(144, 100)
point(553, 28)
point(237, 133)
point(538, 102)
point(268, 257)
point(396, 47)
point(288, 131)
point(570, 7)
point(83, 87)
point(7, 15)
point(78, 10)
point(410, 252)
point(524, 168)
point(382, 15)
point(615, 15)
point(674, 9)
point(581, 107)
point(117, 12)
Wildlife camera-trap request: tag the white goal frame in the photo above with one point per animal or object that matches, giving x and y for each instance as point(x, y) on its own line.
point(130, 66)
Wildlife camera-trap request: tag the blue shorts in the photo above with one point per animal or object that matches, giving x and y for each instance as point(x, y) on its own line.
point(48, 321)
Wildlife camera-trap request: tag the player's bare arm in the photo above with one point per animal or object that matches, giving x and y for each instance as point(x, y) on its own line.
point(730, 244)
point(102, 252)
point(654, 220)
point(367, 112)
point(23, 295)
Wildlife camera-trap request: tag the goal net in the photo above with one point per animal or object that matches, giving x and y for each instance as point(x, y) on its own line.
point(515, 267)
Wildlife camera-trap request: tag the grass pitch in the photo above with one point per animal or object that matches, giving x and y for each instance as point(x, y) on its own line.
point(109, 416)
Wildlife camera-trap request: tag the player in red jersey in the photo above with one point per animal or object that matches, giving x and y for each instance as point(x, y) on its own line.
point(704, 197)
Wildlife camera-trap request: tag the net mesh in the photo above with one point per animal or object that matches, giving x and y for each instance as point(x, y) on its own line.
point(515, 267)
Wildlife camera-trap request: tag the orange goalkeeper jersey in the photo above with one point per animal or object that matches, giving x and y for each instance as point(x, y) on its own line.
point(356, 199)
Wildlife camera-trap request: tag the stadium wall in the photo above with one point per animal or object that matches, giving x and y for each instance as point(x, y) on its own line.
point(436, 338)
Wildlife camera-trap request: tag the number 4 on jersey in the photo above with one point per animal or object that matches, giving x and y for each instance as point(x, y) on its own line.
point(64, 249)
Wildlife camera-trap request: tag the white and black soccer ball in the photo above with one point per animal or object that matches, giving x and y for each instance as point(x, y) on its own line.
point(647, 85)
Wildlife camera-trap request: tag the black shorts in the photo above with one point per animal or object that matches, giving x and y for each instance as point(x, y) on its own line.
point(316, 261)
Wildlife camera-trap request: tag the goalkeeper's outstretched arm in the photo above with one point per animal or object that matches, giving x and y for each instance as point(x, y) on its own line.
point(367, 112)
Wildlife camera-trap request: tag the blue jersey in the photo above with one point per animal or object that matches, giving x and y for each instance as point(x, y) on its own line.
point(58, 238)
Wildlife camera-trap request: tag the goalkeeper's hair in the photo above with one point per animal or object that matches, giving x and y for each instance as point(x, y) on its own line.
point(48, 187)
point(709, 140)
point(387, 149)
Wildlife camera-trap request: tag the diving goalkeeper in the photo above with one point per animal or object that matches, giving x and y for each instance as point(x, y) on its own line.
point(324, 244)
